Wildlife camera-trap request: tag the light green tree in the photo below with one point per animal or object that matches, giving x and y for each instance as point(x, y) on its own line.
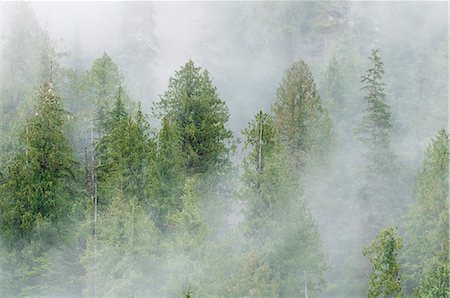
point(299, 117)
point(427, 225)
point(383, 254)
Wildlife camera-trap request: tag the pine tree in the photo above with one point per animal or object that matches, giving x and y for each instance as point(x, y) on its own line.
point(194, 107)
point(383, 254)
point(299, 117)
point(427, 226)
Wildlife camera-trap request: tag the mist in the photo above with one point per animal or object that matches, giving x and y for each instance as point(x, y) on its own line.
point(273, 209)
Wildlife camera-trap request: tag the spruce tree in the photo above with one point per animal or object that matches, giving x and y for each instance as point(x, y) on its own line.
point(24, 67)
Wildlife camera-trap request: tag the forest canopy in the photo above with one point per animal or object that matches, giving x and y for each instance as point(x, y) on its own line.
point(226, 149)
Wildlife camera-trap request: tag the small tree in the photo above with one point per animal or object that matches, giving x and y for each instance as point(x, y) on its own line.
point(382, 254)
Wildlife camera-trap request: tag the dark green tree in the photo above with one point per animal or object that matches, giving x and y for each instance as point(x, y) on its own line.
point(167, 174)
point(192, 104)
point(124, 154)
point(39, 194)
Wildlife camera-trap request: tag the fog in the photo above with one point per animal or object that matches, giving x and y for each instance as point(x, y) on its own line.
point(247, 47)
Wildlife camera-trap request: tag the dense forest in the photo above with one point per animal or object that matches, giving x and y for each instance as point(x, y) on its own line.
point(299, 149)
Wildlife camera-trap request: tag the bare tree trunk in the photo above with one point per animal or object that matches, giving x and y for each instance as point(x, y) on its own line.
point(306, 286)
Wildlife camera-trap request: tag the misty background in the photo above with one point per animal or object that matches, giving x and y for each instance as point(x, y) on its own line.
point(247, 47)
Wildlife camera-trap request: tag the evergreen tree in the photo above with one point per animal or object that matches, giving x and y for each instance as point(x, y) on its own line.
point(383, 254)
point(299, 117)
point(39, 194)
point(136, 48)
point(277, 218)
point(24, 67)
point(118, 260)
point(100, 86)
point(380, 191)
point(167, 174)
point(427, 226)
point(124, 153)
point(194, 107)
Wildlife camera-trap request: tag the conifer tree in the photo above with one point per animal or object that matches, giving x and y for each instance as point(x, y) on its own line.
point(167, 175)
point(299, 117)
point(427, 226)
point(100, 86)
point(192, 104)
point(277, 218)
point(39, 194)
point(124, 153)
point(24, 67)
point(383, 254)
point(118, 260)
point(380, 192)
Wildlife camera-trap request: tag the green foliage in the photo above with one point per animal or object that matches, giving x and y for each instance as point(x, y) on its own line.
point(255, 278)
point(100, 86)
point(383, 254)
point(427, 223)
point(24, 67)
point(299, 117)
point(188, 223)
point(193, 106)
point(277, 219)
point(435, 284)
point(380, 191)
point(126, 246)
point(123, 153)
point(39, 186)
point(167, 174)
point(39, 195)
